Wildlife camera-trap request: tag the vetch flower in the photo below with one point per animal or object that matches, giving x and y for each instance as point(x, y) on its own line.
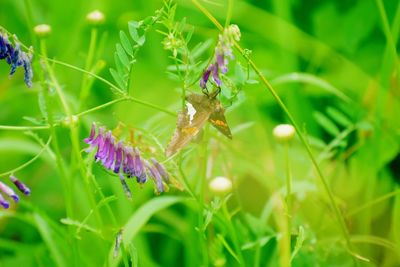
point(15, 57)
point(118, 156)
point(8, 191)
point(223, 52)
point(125, 186)
point(160, 168)
point(4, 202)
point(154, 173)
point(21, 186)
point(139, 168)
point(124, 160)
point(205, 77)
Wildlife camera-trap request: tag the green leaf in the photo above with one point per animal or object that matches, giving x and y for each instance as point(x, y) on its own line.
point(240, 75)
point(118, 79)
point(141, 40)
point(48, 236)
point(199, 49)
point(189, 35)
point(181, 25)
point(139, 219)
point(326, 123)
point(296, 77)
point(122, 55)
point(299, 242)
point(42, 104)
point(133, 32)
point(125, 43)
point(120, 68)
point(339, 117)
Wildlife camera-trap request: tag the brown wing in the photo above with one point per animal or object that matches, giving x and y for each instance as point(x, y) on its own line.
point(218, 120)
point(190, 120)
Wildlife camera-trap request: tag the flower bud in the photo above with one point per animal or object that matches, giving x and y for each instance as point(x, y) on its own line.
point(234, 31)
point(42, 30)
point(220, 185)
point(73, 121)
point(95, 17)
point(284, 132)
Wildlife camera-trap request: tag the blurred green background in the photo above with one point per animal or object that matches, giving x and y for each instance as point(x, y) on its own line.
point(333, 63)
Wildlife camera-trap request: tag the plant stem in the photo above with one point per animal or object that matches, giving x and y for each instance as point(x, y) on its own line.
point(24, 128)
point(28, 162)
point(202, 181)
point(288, 201)
point(388, 34)
point(85, 86)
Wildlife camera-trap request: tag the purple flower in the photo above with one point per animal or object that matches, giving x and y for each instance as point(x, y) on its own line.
point(8, 191)
point(139, 168)
point(128, 166)
point(223, 51)
point(90, 139)
point(5, 47)
point(109, 154)
point(16, 58)
point(96, 142)
point(215, 74)
point(205, 77)
point(161, 170)
point(21, 186)
point(222, 63)
point(156, 177)
point(4, 202)
point(125, 186)
point(118, 156)
point(125, 161)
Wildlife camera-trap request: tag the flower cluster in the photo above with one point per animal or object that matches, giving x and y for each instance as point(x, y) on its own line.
point(15, 57)
point(223, 52)
point(11, 193)
point(125, 160)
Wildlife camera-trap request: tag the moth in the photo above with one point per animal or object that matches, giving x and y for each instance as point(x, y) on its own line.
point(199, 109)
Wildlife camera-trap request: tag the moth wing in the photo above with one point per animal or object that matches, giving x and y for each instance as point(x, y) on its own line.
point(190, 120)
point(218, 120)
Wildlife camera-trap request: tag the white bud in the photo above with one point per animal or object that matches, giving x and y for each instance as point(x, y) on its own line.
point(220, 185)
point(42, 30)
point(95, 17)
point(67, 122)
point(234, 31)
point(284, 132)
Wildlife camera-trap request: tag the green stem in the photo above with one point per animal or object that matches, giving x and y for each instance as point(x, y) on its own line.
point(232, 231)
point(85, 86)
point(24, 128)
point(83, 113)
point(116, 88)
point(202, 181)
point(388, 34)
point(28, 162)
point(288, 200)
point(320, 175)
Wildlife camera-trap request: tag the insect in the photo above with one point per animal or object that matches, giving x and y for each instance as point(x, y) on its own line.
point(199, 109)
